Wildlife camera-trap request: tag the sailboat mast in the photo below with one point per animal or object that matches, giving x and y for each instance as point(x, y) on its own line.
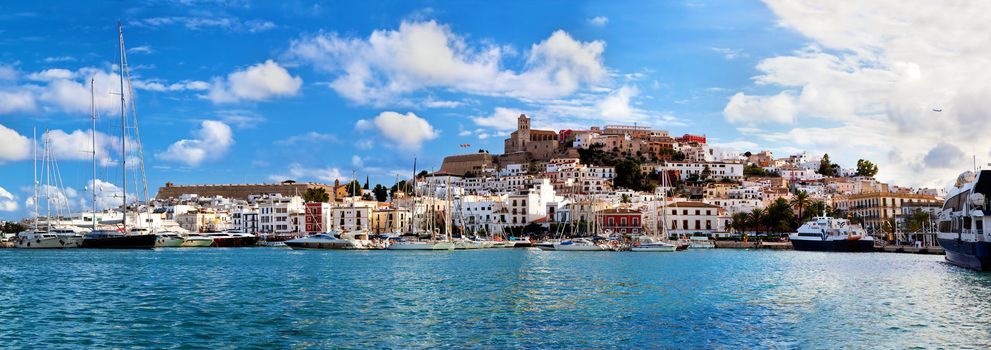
point(123, 127)
point(664, 206)
point(92, 103)
point(47, 174)
point(34, 142)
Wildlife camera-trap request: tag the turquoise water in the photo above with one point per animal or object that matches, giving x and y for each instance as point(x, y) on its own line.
point(509, 298)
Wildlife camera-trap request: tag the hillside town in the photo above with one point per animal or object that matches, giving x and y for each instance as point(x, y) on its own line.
point(618, 179)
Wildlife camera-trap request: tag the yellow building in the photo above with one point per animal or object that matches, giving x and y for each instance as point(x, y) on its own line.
point(878, 209)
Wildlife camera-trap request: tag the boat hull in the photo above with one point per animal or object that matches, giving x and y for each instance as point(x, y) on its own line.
point(169, 242)
point(654, 249)
point(121, 242)
point(320, 245)
point(235, 242)
point(839, 245)
point(47, 242)
point(424, 246)
point(971, 255)
point(197, 243)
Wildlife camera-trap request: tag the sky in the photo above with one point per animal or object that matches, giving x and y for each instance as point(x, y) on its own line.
point(251, 92)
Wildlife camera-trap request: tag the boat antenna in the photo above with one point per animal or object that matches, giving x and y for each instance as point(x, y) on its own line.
point(34, 142)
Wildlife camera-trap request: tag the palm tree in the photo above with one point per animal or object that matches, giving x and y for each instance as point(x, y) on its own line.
point(739, 222)
point(756, 218)
point(817, 207)
point(800, 201)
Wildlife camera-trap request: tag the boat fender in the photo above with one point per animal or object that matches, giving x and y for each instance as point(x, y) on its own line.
point(37, 240)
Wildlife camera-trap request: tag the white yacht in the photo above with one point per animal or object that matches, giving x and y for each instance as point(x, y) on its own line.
point(168, 239)
point(579, 245)
point(964, 224)
point(824, 233)
point(648, 244)
point(331, 240)
point(195, 241)
point(56, 238)
point(421, 245)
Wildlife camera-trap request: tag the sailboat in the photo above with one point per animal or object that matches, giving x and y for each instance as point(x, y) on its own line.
point(122, 238)
point(49, 237)
point(433, 243)
point(654, 243)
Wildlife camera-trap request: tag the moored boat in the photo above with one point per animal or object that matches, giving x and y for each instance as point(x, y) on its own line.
point(327, 240)
point(579, 245)
point(964, 224)
point(113, 239)
point(828, 234)
point(196, 241)
point(233, 239)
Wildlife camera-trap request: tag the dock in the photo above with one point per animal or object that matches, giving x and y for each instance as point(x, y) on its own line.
point(911, 249)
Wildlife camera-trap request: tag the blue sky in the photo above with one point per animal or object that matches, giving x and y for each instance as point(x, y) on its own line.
point(258, 91)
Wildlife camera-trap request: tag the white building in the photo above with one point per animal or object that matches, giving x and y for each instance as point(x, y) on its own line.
point(687, 218)
point(280, 215)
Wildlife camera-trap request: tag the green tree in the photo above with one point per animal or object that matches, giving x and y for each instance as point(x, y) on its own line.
point(366, 183)
point(402, 186)
point(826, 168)
point(381, 193)
point(817, 208)
point(756, 219)
point(354, 188)
point(800, 201)
point(779, 216)
point(625, 198)
point(678, 156)
point(706, 172)
point(316, 195)
point(866, 168)
point(12, 227)
point(739, 222)
point(628, 175)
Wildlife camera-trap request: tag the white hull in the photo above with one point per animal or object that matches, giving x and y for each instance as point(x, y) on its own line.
point(195, 242)
point(47, 241)
point(658, 249)
point(170, 242)
point(421, 246)
point(578, 247)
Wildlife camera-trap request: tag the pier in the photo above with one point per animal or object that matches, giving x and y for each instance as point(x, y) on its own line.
point(937, 250)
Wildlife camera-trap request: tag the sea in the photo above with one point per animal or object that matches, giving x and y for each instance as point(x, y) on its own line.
point(275, 298)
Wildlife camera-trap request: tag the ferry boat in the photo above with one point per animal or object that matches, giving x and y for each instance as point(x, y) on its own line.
point(828, 234)
point(963, 222)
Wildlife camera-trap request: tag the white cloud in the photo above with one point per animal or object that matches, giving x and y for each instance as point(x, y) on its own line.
point(598, 21)
point(728, 53)
point(402, 130)
point(501, 119)
point(616, 106)
point(357, 162)
point(52, 74)
point(778, 108)
point(7, 201)
point(78, 145)
point(211, 142)
point(300, 173)
point(143, 49)
point(875, 70)
point(55, 59)
point(17, 101)
point(311, 136)
point(256, 83)
point(14, 146)
point(160, 86)
point(389, 64)
point(227, 23)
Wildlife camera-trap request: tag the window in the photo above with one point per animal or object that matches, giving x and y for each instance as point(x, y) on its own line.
point(708, 224)
point(622, 221)
point(684, 224)
point(674, 224)
point(698, 225)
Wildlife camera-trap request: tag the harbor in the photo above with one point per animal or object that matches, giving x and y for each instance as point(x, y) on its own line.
point(496, 298)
